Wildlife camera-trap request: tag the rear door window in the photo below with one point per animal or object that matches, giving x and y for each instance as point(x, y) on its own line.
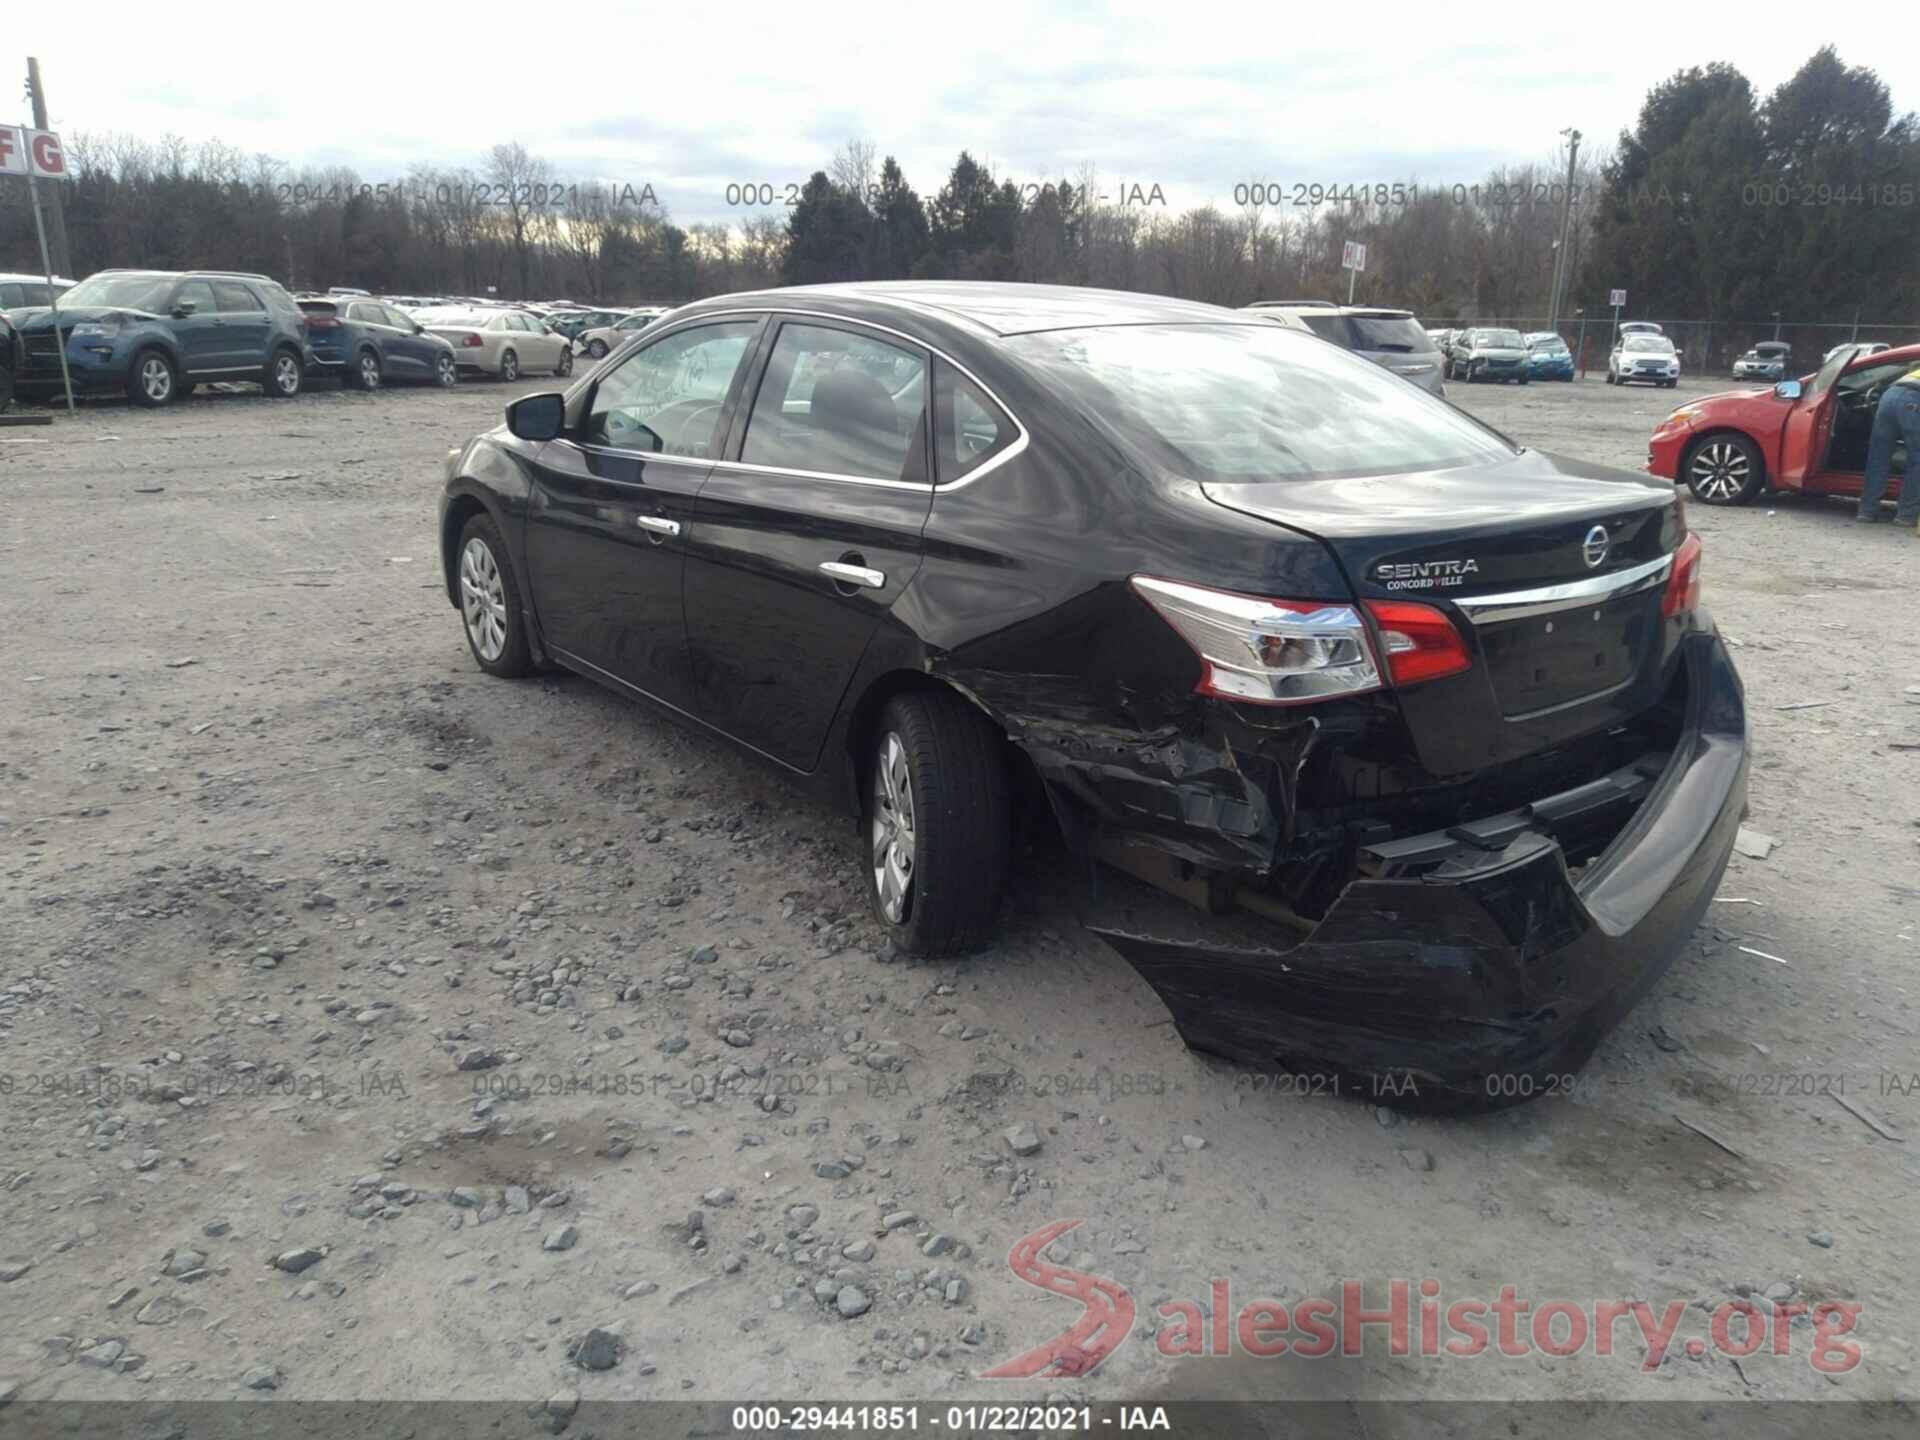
point(235, 298)
point(197, 293)
point(838, 402)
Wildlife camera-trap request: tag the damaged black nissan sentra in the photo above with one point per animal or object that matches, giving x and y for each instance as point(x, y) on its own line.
point(1391, 748)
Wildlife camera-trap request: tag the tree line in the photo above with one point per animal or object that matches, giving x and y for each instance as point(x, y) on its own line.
point(1716, 204)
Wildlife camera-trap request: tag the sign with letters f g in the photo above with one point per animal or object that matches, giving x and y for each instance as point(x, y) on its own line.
point(32, 152)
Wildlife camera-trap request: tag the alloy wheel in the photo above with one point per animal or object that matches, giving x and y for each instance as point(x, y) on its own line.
point(565, 366)
point(892, 829)
point(483, 599)
point(444, 371)
point(369, 370)
point(1719, 471)
point(286, 374)
point(509, 366)
point(156, 379)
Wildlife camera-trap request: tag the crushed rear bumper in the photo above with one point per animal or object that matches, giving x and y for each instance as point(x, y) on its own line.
point(1467, 967)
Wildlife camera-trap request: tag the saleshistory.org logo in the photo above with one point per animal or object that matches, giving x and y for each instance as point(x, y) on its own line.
point(1413, 1321)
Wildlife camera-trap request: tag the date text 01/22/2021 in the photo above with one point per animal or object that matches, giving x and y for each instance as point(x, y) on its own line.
point(960, 1419)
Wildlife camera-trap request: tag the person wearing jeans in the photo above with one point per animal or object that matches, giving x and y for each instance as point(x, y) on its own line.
point(1896, 417)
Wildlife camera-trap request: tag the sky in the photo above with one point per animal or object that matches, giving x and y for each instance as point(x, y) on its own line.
point(691, 100)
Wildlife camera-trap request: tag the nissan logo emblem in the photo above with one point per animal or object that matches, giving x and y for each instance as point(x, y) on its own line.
point(1594, 548)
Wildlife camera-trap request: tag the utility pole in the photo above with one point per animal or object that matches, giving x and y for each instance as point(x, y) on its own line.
point(1562, 256)
point(57, 232)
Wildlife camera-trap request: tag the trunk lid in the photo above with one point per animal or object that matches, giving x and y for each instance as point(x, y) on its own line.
point(1552, 570)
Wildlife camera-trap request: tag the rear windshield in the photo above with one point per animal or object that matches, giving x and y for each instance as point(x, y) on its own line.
point(1392, 333)
point(1648, 342)
point(1255, 402)
point(1498, 339)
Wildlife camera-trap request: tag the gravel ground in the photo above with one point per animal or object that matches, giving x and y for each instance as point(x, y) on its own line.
point(371, 1028)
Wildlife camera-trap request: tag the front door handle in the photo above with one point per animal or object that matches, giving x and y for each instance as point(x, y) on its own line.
point(853, 574)
point(658, 524)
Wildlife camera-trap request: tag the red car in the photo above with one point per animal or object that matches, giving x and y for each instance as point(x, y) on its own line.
point(1808, 434)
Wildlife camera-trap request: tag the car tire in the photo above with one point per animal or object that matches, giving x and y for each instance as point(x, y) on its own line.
point(153, 380)
point(284, 376)
point(596, 349)
point(509, 366)
point(365, 372)
point(565, 367)
point(1524, 380)
point(490, 612)
point(939, 825)
point(445, 372)
point(1724, 469)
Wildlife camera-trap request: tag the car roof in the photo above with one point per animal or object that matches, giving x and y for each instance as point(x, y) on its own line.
point(991, 308)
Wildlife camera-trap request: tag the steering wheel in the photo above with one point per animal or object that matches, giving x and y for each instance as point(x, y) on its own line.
point(678, 419)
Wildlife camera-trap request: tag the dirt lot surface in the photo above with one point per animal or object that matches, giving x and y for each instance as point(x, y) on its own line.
point(371, 1028)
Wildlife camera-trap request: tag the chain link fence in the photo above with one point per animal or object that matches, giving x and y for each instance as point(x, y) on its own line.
point(1707, 347)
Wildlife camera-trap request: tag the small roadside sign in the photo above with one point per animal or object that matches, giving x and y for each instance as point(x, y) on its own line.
point(1353, 256)
point(1616, 298)
point(13, 150)
point(44, 154)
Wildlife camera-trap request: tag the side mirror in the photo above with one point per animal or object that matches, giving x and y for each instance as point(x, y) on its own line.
point(537, 417)
point(183, 309)
point(1788, 389)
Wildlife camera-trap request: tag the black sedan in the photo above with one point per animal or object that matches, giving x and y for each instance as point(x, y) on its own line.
point(1392, 751)
point(368, 343)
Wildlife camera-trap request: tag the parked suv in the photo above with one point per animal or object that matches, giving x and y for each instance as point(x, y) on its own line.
point(368, 343)
point(1392, 338)
point(155, 334)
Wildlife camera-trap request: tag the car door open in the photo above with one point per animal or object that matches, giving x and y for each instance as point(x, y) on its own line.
point(610, 503)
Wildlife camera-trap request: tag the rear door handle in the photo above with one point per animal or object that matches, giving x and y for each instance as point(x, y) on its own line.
point(658, 524)
point(853, 574)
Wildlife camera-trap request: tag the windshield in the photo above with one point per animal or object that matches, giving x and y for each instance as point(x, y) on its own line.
point(1497, 340)
point(1255, 402)
point(122, 292)
point(470, 318)
point(1658, 343)
point(1550, 344)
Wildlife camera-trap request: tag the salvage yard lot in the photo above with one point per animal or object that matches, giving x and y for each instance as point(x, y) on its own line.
point(276, 861)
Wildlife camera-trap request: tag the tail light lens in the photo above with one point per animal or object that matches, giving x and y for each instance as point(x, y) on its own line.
point(471, 342)
point(1420, 641)
point(1270, 652)
point(1683, 584)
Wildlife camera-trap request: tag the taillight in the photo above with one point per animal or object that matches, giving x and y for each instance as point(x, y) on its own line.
point(322, 322)
point(472, 342)
point(1683, 583)
point(1420, 641)
point(1270, 652)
